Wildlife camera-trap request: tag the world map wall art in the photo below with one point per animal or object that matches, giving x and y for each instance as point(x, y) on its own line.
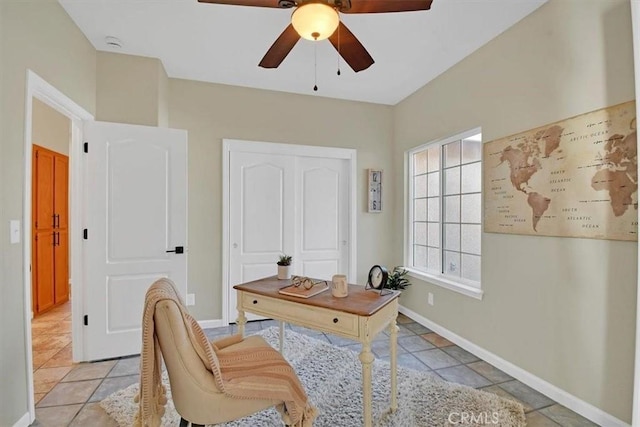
point(574, 178)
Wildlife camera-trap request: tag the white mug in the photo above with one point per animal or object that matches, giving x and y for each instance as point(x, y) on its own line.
point(339, 287)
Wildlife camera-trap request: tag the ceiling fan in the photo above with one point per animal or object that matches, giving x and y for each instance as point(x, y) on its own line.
point(319, 20)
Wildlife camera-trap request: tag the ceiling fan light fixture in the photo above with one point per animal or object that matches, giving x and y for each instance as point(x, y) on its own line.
point(315, 21)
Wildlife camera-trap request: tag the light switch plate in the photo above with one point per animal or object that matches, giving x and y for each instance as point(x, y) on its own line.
point(14, 231)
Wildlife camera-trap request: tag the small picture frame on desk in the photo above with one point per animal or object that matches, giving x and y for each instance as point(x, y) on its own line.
point(375, 190)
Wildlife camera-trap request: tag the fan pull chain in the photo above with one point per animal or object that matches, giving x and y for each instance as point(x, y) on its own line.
point(338, 48)
point(315, 66)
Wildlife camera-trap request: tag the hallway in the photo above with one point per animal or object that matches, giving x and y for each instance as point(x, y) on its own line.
point(51, 343)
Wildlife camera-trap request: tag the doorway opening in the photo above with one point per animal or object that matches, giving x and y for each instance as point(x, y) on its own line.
point(50, 291)
point(41, 94)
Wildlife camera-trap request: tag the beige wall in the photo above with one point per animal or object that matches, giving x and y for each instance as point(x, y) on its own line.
point(211, 112)
point(163, 96)
point(568, 319)
point(35, 35)
point(50, 129)
point(562, 309)
point(131, 89)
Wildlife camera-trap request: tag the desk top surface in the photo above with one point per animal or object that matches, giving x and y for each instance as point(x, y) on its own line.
point(359, 301)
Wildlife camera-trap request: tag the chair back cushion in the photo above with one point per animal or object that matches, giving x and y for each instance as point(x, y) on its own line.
point(188, 374)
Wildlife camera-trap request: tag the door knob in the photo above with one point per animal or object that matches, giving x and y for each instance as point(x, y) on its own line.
point(177, 250)
point(235, 246)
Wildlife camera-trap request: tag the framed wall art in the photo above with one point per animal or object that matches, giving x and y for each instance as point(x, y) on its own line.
point(375, 190)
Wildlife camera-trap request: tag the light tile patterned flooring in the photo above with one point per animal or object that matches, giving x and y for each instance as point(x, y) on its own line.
point(68, 394)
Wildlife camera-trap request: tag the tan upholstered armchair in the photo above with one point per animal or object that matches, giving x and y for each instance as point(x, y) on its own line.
point(196, 397)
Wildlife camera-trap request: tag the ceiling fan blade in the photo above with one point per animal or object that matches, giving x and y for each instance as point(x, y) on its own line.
point(350, 48)
point(280, 48)
point(385, 6)
point(256, 3)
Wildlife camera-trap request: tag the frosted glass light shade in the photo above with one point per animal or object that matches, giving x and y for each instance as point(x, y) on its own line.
point(315, 21)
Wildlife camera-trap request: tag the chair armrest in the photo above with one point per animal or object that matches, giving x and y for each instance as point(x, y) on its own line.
point(226, 342)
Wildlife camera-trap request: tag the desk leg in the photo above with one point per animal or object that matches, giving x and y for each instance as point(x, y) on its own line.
point(281, 337)
point(241, 321)
point(366, 358)
point(393, 345)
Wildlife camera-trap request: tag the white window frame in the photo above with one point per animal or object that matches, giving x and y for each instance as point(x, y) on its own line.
point(460, 285)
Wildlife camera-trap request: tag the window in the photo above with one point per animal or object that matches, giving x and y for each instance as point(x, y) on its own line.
point(445, 212)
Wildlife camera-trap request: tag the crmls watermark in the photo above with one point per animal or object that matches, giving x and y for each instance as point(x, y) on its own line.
point(474, 418)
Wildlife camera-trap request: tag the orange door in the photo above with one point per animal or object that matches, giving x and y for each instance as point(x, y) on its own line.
point(61, 215)
point(43, 190)
point(44, 277)
point(42, 230)
point(50, 256)
point(61, 191)
point(61, 266)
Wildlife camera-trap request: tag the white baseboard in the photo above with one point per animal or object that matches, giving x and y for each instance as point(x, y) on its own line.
point(572, 402)
point(24, 421)
point(204, 324)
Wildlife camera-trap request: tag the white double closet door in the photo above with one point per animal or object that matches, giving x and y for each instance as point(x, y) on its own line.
point(286, 204)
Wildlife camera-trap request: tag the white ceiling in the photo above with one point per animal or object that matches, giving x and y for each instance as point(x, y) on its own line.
point(224, 44)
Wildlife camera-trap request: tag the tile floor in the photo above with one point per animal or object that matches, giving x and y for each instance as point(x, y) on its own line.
point(51, 344)
point(69, 395)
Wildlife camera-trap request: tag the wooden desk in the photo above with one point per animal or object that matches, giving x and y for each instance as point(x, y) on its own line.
point(360, 316)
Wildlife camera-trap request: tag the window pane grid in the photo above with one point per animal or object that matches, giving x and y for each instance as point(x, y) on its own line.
point(461, 252)
point(441, 174)
point(461, 164)
point(456, 194)
point(447, 240)
point(463, 223)
point(435, 247)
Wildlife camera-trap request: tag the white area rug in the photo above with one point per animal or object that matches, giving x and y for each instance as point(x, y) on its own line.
point(332, 377)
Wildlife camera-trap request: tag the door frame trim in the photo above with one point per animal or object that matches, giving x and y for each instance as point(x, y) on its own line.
point(235, 145)
point(37, 87)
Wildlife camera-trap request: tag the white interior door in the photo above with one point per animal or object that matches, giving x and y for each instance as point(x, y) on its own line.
point(136, 211)
point(262, 217)
point(322, 226)
point(286, 203)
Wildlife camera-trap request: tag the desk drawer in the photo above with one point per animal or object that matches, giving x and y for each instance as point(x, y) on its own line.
point(312, 317)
